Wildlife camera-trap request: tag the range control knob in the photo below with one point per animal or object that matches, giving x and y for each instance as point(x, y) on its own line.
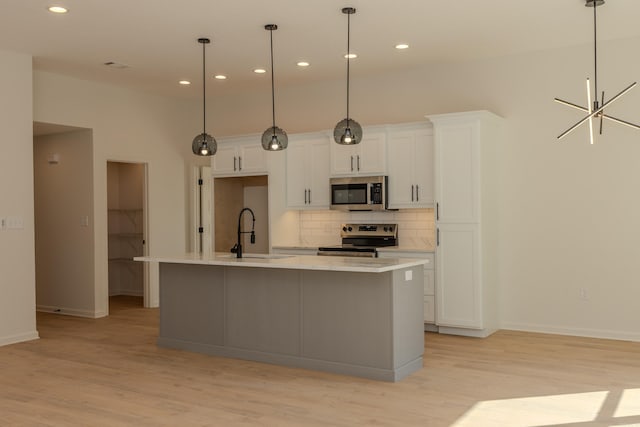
point(344, 228)
point(350, 228)
point(386, 228)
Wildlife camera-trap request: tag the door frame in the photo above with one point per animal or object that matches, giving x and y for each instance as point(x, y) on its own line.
point(146, 282)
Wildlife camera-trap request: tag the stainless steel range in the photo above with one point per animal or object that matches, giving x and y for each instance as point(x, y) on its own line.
point(363, 240)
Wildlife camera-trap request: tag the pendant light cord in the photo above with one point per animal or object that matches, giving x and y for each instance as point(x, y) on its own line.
point(595, 52)
point(348, 60)
point(273, 92)
point(204, 90)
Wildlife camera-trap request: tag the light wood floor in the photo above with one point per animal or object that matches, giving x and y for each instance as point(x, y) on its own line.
point(109, 372)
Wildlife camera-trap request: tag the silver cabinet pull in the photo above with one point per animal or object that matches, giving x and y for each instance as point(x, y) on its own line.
point(417, 193)
point(305, 196)
point(358, 162)
point(309, 196)
point(437, 211)
point(234, 163)
point(437, 237)
point(239, 163)
point(351, 163)
point(412, 192)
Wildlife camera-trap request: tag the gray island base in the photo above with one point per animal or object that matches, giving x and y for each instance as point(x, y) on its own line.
point(366, 324)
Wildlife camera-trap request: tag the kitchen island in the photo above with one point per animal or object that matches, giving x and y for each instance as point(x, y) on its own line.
point(354, 316)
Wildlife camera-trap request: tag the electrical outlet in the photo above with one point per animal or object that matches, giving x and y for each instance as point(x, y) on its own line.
point(584, 295)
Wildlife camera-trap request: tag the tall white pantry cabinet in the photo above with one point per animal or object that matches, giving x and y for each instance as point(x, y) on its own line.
point(466, 221)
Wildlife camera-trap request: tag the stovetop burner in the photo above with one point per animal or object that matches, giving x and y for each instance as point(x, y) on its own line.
point(363, 240)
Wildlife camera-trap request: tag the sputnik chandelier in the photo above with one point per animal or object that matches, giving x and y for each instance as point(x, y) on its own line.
point(595, 110)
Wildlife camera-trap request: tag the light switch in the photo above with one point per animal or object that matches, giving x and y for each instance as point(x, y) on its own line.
point(14, 223)
point(84, 221)
point(408, 275)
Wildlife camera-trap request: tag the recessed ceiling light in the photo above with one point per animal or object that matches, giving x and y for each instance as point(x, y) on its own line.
point(220, 77)
point(302, 64)
point(402, 46)
point(184, 82)
point(350, 55)
point(58, 9)
point(259, 71)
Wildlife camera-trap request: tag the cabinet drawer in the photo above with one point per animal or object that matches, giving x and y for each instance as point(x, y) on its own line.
point(429, 283)
point(429, 309)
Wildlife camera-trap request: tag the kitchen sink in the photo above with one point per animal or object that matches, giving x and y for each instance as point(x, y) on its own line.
point(258, 256)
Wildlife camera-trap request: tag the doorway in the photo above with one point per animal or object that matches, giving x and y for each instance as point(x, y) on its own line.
point(127, 231)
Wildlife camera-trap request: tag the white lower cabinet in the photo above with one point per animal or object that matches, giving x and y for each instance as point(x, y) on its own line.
point(429, 281)
point(459, 293)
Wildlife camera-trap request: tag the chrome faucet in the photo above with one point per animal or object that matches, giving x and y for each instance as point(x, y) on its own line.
point(237, 248)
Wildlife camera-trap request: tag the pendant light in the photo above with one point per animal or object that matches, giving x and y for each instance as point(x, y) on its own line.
point(595, 109)
point(348, 131)
point(274, 138)
point(204, 144)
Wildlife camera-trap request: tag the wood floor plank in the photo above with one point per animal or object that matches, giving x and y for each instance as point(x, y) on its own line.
point(109, 372)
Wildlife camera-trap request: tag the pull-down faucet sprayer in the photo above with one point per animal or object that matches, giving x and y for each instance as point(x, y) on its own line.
point(237, 248)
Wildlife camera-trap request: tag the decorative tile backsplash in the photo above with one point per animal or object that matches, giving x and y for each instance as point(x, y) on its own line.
point(416, 227)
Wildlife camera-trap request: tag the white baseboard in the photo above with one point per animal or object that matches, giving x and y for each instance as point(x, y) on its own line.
point(13, 339)
point(70, 311)
point(129, 293)
point(578, 332)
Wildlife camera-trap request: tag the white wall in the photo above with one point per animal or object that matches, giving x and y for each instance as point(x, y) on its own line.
point(17, 269)
point(127, 126)
point(63, 195)
point(568, 211)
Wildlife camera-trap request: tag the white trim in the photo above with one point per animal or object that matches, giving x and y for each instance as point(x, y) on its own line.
point(13, 339)
point(70, 311)
point(578, 332)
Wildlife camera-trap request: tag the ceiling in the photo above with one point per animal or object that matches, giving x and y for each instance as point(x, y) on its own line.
point(157, 39)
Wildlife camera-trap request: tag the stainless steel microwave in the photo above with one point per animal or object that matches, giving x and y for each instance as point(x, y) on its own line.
point(367, 193)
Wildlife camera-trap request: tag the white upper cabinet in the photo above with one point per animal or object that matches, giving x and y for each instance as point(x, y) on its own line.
point(457, 172)
point(410, 154)
point(308, 172)
point(239, 156)
point(366, 158)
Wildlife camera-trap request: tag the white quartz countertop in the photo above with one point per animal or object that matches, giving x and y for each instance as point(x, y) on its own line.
point(389, 249)
point(296, 262)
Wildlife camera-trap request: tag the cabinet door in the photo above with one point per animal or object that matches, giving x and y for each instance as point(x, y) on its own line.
point(457, 175)
point(423, 169)
point(252, 159)
point(318, 174)
point(458, 287)
point(296, 176)
point(343, 159)
point(371, 158)
point(402, 191)
point(225, 161)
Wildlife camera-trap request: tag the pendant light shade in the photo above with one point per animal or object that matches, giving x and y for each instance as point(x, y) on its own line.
point(595, 108)
point(204, 144)
point(348, 131)
point(274, 138)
